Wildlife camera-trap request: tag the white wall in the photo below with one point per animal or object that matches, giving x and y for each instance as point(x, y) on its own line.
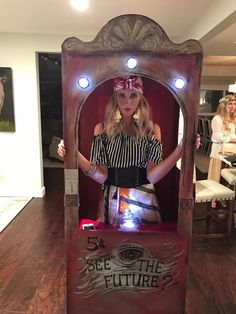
point(21, 169)
point(217, 77)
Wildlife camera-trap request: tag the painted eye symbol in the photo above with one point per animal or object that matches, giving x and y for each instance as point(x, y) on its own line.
point(130, 254)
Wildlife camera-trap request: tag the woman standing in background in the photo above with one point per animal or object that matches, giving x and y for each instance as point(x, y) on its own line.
point(223, 131)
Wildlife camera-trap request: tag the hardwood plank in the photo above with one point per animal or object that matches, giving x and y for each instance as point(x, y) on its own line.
point(212, 278)
point(32, 254)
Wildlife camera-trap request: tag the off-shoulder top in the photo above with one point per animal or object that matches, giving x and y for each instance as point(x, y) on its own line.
point(125, 151)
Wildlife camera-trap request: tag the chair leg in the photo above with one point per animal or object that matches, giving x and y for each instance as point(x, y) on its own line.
point(208, 224)
point(230, 216)
point(234, 209)
point(208, 217)
point(225, 221)
point(234, 219)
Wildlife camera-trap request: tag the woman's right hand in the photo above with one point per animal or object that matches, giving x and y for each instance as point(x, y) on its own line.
point(61, 149)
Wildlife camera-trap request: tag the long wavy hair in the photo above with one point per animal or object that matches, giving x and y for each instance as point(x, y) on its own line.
point(226, 117)
point(138, 129)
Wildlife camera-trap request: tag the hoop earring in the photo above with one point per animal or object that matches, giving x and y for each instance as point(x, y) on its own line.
point(136, 115)
point(117, 116)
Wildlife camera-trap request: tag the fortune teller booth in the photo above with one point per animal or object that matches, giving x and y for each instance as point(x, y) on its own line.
point(108, 270)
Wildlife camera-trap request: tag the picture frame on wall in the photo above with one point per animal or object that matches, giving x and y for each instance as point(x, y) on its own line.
point(7, 118)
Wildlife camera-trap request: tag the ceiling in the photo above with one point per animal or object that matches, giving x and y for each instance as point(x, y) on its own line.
point(212, 22)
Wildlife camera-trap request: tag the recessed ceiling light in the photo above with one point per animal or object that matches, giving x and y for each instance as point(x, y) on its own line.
point(81, 5)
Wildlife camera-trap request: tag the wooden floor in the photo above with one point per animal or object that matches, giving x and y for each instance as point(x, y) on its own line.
point(32, 262)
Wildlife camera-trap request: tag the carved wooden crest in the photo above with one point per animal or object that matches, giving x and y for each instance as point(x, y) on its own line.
point(131, 33)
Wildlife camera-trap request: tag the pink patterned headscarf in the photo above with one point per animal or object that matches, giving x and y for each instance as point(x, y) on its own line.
point(132, 83)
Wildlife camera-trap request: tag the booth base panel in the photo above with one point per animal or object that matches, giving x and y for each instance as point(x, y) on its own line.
point(118, 272)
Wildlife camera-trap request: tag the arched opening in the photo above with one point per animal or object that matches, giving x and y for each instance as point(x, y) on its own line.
point(165, 112)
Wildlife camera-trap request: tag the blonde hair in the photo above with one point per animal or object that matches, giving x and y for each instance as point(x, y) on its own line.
point(221, 110)
point(140, 129)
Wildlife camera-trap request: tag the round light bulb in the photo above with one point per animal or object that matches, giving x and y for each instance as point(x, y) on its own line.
point(83, 82)
point(131, 63)
point(179, 83)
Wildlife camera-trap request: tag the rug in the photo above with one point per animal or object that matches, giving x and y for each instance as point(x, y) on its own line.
point(10, 208)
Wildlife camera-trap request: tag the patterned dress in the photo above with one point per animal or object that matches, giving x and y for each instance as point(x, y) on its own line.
point(124, 151)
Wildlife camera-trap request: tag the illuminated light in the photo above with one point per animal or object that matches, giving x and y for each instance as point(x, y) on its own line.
point(179, 83)
point(232, 88)
point(127, 222)
point(131, 63)
point(80, 5)
point(83, 82)
point(128, 225)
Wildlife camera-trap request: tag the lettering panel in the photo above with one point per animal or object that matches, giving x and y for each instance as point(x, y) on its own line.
point(117, 271)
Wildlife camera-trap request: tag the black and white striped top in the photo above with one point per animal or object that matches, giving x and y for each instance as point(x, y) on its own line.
point(125, 151)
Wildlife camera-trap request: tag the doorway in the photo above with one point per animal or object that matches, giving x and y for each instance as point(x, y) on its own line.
point(50, 89)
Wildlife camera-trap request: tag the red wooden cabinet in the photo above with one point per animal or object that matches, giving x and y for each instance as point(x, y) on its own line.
point(109, 270)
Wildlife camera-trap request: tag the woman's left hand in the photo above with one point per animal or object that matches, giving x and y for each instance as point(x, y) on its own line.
point(197, 141)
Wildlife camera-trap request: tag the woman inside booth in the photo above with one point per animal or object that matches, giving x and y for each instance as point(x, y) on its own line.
point(126, 157)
